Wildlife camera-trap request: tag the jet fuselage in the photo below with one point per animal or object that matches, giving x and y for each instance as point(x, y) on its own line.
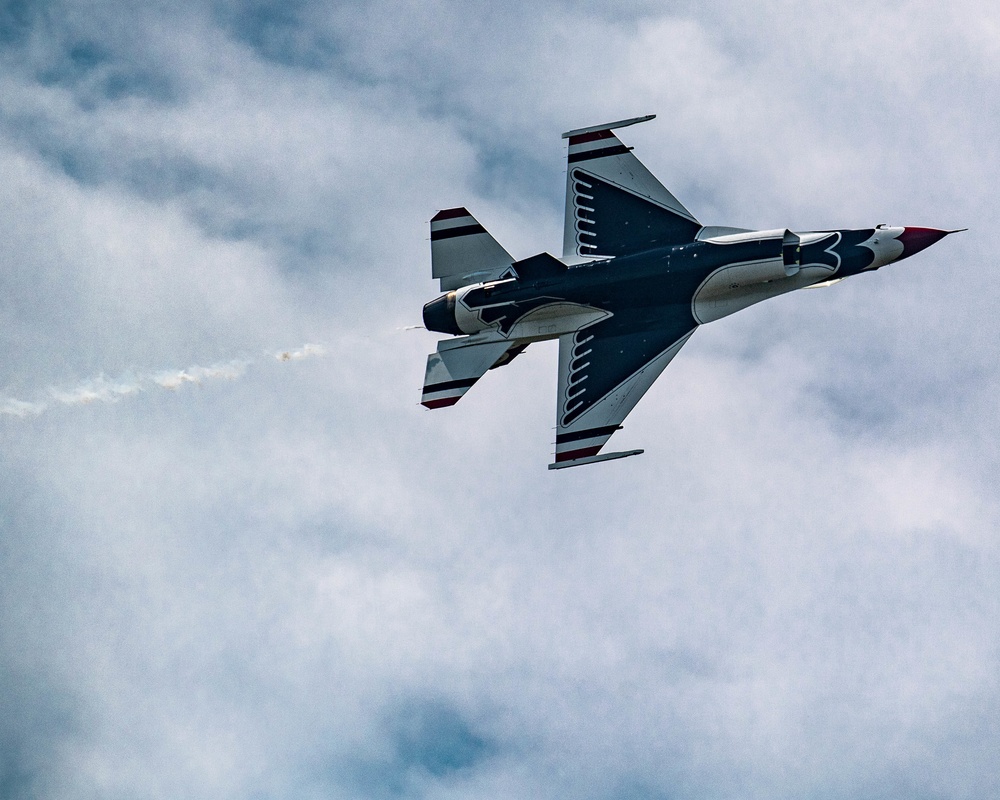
point(693, 283)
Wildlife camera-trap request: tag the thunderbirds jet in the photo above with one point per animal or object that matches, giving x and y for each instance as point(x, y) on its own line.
point(638, 275)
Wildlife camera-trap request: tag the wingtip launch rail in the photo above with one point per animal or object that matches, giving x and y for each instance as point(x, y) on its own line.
point(608, 126)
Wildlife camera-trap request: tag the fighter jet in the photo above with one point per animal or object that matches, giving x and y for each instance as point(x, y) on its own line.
point(638, 275)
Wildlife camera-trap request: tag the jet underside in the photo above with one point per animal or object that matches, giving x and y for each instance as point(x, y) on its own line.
point(637, 277)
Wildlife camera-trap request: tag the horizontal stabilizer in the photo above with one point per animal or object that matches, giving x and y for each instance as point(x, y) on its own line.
point(455, 368)
point(463, 252)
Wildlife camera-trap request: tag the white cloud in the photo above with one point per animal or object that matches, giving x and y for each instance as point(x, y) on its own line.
point(294, 582)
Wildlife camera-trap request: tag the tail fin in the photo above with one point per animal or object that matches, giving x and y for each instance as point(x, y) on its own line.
point(462, 252)
point(614, 205)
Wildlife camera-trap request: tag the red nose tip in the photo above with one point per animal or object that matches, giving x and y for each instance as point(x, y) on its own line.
point(916, 239)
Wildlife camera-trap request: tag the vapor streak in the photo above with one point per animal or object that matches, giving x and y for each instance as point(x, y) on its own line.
point(104, 390)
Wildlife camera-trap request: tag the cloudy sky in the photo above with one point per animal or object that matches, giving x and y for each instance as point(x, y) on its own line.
point(229, 573)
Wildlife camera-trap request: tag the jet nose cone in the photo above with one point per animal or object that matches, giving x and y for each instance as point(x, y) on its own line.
point(916, 239)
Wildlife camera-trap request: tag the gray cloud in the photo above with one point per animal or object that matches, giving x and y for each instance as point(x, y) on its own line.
point(426, 741)
point(35, 725)
point(300, 583)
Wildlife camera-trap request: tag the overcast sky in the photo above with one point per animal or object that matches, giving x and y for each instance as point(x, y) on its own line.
point(232, 566)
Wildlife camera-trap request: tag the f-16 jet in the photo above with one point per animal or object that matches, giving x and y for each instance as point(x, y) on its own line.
point(638, 274)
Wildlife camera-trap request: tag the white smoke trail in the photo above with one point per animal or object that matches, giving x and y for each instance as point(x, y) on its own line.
point(96, 390)
point(177, 378)
point(19, 408)
point(306, 351)
point(103, 390)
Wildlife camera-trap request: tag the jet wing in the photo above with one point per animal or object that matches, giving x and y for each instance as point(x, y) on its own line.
point(614, 205)
point(604, 370)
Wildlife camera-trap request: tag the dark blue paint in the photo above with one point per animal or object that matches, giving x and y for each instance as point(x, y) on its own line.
point(622, 222)
point(649, 293)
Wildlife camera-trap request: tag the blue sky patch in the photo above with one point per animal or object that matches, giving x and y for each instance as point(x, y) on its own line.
point(17, 17)
point(427, 738)
point(435, 737)
point(280, 32)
